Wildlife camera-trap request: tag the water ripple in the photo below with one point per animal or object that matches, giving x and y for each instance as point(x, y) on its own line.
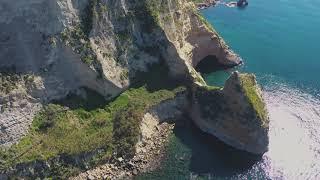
point(294, 130)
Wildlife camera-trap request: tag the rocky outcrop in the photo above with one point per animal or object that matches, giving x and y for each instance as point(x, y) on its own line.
point(98, 44)
point(198, 39)
point(156, 127)
point(205, 4)
point(235, 114)
point(49, 48)
point(17, 105)
point(166, 111)
point(242, 3)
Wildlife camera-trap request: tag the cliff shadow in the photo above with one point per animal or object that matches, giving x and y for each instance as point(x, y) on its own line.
point(210, 64)
point(156, 78)
point(211, 156)
point(84, 98)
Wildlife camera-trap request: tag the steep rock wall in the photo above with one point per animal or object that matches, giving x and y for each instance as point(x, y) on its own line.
point(235, 114)
point(99, 44)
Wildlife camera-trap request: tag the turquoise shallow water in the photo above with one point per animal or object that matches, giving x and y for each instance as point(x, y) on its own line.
point(278, 40)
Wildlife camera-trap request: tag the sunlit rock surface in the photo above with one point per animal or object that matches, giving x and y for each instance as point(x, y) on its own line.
point(235, 114)
point(66, 45)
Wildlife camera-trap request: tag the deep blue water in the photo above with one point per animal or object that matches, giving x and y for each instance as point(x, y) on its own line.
point(275, 38)
point(278, 40)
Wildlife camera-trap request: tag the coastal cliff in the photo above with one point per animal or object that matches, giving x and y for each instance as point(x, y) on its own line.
point(236, 114)
point(102, 45)
point(74, 71)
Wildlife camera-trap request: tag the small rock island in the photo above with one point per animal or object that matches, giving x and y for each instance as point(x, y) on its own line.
point(242, 3)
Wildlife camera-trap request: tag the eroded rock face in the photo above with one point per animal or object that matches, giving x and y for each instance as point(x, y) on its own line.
point(69, 44)
point(235, 114)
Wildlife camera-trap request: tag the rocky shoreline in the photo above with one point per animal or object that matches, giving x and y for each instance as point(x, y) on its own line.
point(206, 4)
point(156, 127)
point(87, 46)
point(148, 158)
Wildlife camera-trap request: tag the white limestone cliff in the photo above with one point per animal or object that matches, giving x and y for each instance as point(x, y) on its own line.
point(98, 44)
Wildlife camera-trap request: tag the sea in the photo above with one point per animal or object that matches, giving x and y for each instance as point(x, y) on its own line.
point(278, 41)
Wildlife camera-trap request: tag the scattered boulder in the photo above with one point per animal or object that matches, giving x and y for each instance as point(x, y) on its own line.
point(135, 172)
point(242, 3)
point(90, 177)
point(120, 159)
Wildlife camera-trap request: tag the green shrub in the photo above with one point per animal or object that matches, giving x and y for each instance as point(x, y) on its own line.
point(8, 82)
point(77, 126)
point(127, 129)
point(249, 85)
point(46, 118)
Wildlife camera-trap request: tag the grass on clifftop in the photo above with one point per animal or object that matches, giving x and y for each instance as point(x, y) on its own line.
point(198, 1)
point(210, 100)
point(76, 126)
point(249, 86)
point(59, 130)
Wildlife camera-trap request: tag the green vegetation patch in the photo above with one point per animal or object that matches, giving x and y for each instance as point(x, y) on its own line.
point(76, 126)
point(127, 120)
point(153, 8)
point(249, 86)
point(78, 37)
point(148, 13)
point(8, 82)
point(198, 1)
point(58, 129)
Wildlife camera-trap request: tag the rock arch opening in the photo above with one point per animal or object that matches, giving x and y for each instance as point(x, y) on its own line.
point(209, 64)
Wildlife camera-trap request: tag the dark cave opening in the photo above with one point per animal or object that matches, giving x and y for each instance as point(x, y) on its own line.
point(210, 64)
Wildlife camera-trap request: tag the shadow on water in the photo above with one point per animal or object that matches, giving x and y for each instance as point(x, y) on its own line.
point(212, 156)
point(210, 64)
point(192, 153)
